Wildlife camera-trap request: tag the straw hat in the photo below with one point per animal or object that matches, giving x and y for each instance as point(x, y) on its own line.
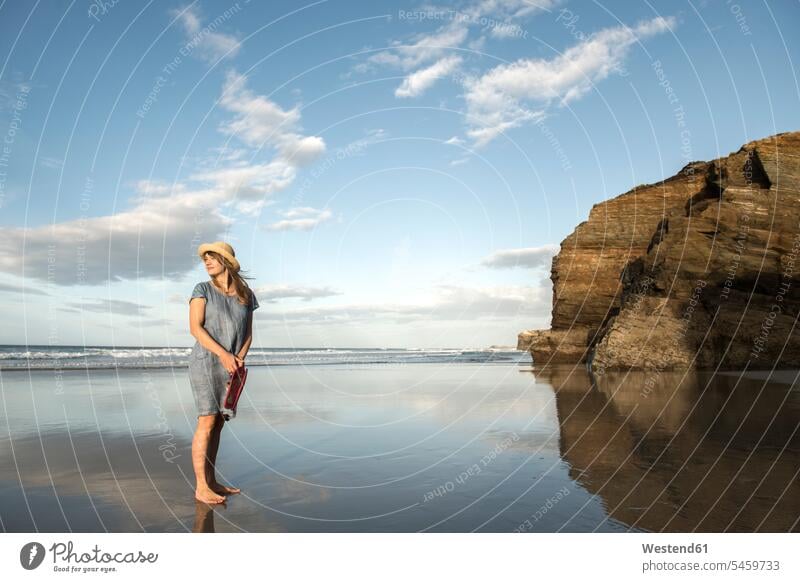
point(223, 249)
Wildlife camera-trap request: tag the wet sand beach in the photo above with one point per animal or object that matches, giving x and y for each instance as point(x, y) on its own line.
point(405, 448)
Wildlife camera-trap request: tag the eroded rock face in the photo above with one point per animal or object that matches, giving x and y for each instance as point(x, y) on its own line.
point(695, 271)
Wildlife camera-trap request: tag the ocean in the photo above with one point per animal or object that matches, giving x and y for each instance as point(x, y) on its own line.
point(37, 357)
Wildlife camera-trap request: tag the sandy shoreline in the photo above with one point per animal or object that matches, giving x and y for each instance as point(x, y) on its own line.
point(403, 448)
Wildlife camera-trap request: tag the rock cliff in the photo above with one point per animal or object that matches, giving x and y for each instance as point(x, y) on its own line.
point(696, 271)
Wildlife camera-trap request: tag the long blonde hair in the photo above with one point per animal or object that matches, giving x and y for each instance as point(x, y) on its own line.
point(238, 281)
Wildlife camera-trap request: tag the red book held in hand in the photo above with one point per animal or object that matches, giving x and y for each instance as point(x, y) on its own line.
point(233, 391)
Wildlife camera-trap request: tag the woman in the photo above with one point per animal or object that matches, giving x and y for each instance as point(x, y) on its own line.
point(221, 319)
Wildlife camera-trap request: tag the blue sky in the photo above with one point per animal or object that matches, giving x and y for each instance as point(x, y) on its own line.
point(391, 174)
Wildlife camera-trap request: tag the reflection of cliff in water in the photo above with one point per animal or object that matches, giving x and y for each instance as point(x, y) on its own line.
point(682, 452)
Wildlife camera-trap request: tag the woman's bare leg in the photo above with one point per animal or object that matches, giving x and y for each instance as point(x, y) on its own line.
point(200, 442)
point(213, 447)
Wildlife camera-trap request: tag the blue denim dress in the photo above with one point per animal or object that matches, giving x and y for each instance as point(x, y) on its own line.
point(226, 322)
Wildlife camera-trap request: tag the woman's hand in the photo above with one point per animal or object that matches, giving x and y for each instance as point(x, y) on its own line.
point(231, 362)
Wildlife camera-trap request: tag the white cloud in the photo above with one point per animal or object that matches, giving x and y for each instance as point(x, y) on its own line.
point(177, 298)
point(157, 236)
point(156, 189)
point(495, 15)
point(490, 115)
point(510, 9)
point(496, 100)
point(530, 257)
point(447, 303)
point(20, 290)
point(420, 81)
point(498, 15)
point(479, 44)
point(493, 124)
point(303, 218)
point(208, 44)
point(423, 48)
point(260, 121)
point(250, 182)
point(51, 163)
point(273, 293)
point(152, 239)
point(507, 31)
point(227, 153)
point(252, 207)
point(116, 306)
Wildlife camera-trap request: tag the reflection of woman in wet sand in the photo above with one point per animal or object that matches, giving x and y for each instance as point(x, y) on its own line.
point(203, 518)
point(221, 319)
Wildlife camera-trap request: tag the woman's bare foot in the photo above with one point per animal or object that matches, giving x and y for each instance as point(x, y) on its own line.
point(224, 489)
point(206, 495)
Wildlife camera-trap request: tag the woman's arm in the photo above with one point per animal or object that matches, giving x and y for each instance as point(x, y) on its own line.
point(249, 339)
point(197, 320)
